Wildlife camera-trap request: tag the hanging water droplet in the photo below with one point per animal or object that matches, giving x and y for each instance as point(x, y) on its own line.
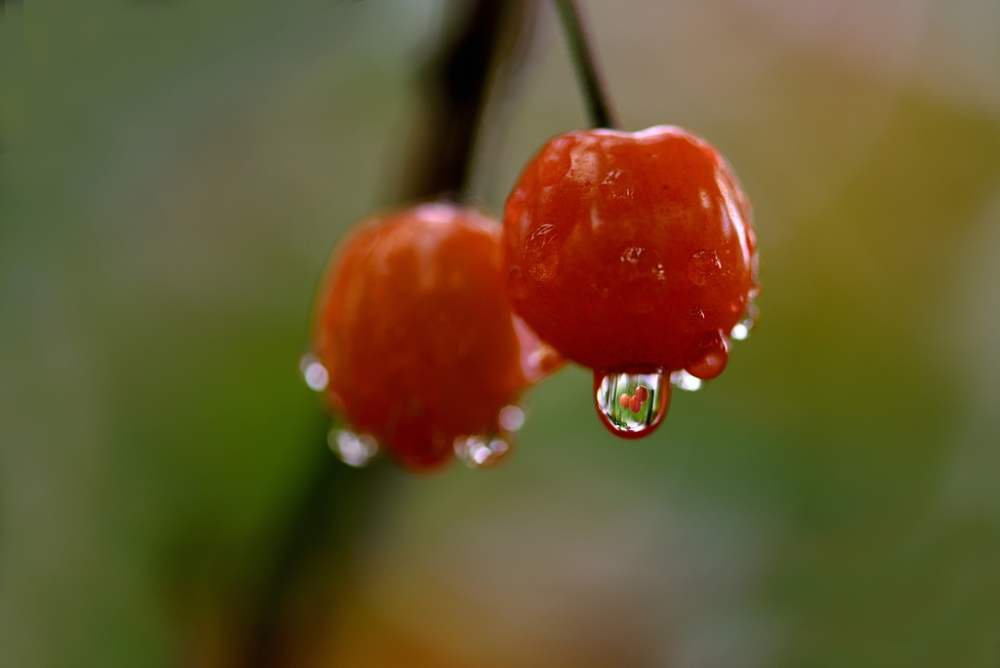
point(511, 419)
point(705, 268)
point(538, 359)
point(631, 405)
point(481, 451)
point(745, 327)
point(713, 352)
point(313, 372)
point(686, 381)
point(353, 449)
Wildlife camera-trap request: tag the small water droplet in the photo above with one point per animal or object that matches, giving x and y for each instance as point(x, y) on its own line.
point(705, 268)
point(353, 449)
point(511, 418)
point(538, 359)
point(541, 253)
point(686, 381)
point(745, 327)
point(481, 451)
point(313, 372)
point(632, 254)
point(714, 355)
point(631, 405)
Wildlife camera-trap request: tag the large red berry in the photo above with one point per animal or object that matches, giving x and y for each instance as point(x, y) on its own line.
point(631, 252)
point(416, 334)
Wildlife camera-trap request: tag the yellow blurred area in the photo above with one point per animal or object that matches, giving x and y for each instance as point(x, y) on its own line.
point(173, 176)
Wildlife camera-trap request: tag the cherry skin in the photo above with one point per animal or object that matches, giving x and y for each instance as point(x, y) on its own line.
point(648, 233)
point(416, 334)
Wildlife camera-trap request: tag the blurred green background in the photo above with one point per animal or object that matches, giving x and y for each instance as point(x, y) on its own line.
point(173, 176)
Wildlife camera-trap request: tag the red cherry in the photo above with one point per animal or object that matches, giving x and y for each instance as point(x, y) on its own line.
point(624, 400)
point(642, 393)
point(415, 331)
point(635, 404)
point(646, 232)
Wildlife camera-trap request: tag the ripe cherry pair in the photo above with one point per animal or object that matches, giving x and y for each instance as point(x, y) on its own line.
point(633, 254)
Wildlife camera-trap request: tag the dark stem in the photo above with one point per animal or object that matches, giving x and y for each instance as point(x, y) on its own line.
point(336, 501)
point(582, 52)
point(457, 86)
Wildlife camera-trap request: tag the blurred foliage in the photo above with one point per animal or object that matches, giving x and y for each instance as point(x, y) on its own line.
point(172, 178)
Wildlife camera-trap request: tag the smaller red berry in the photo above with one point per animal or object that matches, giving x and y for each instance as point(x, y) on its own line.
point(624, 400)
point(415, 334)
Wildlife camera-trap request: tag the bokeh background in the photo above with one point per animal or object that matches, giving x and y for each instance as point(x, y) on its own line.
point(173, 176)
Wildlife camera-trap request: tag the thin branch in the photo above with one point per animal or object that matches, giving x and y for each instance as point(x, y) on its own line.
point(457, 87)
point(582, 52)
point(457, 84)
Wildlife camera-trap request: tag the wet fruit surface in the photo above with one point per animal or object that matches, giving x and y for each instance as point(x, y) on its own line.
point(416, 336)
point(632, 250)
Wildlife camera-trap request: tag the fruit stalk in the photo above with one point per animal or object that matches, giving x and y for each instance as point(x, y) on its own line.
point(458, 82)
point(581, 50)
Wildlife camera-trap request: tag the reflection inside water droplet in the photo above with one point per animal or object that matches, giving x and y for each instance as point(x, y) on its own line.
point(353, 449)
point(313, 372)
point(686, 381)
point(631, 405)
point(481, 451)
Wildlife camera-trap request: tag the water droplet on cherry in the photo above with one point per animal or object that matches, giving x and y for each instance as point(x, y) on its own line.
point(313, 372)
point(355, 450)
point(482, 451)
point(631, 404)
point(511, 419)
point(705, 268)
point(745, 327)
point(541, 253)
point(632, 254)
point(686, 381)
point(538, 359)
point(714, 351)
